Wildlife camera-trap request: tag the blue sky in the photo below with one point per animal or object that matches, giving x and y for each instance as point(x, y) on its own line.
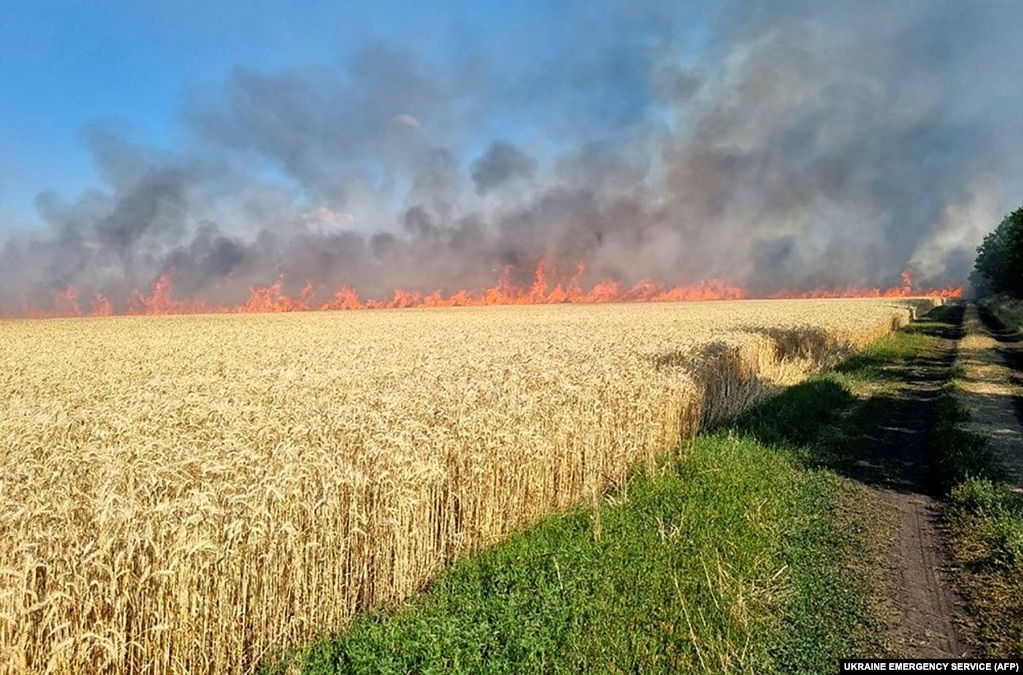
point(67, 64)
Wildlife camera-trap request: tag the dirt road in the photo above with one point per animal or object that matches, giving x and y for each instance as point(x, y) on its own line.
point(924, 617)
point(919, 608)
point(990, 385)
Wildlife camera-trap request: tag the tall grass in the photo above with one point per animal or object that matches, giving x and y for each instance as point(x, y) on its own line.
point(189, 494)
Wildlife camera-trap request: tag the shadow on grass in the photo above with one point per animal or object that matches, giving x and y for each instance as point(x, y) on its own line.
point(1004, 334)
point(1011, 348)
point(727, 558)
point(877, 363)
point(944, 322)
point(881, 440)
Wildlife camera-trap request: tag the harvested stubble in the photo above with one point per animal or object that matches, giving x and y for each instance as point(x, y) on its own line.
point(189, 494)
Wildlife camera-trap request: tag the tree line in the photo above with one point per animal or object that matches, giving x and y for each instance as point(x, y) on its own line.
point(999, 264)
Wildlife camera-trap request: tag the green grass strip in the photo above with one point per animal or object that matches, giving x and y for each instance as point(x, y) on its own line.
point(687, 574)
point(1008, 310)
point(985, 523)
point(728, 558)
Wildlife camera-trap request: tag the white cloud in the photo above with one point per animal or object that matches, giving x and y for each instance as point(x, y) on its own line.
point(407, 120)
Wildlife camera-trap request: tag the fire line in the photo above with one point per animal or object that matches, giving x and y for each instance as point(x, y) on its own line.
point(543, 291)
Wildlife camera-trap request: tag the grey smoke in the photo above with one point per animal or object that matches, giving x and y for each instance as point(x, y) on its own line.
point(501, 163)
point(803, 144)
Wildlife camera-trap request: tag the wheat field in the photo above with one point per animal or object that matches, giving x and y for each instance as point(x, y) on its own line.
point(195, 493)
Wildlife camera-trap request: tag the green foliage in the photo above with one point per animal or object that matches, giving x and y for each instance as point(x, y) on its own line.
point(999, 264)
point(985, 526)
point(692, 572)
point(986, 534)
point(958, 454)
point(1007, 311)
point(994, 514)
point(728, 559)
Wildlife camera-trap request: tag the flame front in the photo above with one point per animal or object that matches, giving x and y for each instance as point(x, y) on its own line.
point(543, 291)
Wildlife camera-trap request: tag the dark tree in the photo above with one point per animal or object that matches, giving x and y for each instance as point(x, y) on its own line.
point(999, 266)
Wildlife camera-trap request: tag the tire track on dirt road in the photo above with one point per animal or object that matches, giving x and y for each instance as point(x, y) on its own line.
point(921, 612)
point(991, 387)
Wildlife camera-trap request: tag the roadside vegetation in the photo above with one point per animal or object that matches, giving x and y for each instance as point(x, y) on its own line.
point(985, 521)
point(685, 571)
point(746, 551)
point(1007, 310)
point(984, 511)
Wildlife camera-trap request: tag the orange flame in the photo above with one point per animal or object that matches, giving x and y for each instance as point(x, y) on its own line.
point(65, 303)
point(542, 291)
point(101, 306)
point(161, 301)
point(270, 299)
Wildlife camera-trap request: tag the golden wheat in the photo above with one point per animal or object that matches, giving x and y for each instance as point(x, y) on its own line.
point(190, 494)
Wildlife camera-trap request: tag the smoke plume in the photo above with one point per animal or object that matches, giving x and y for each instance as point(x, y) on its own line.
point(778, 145)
